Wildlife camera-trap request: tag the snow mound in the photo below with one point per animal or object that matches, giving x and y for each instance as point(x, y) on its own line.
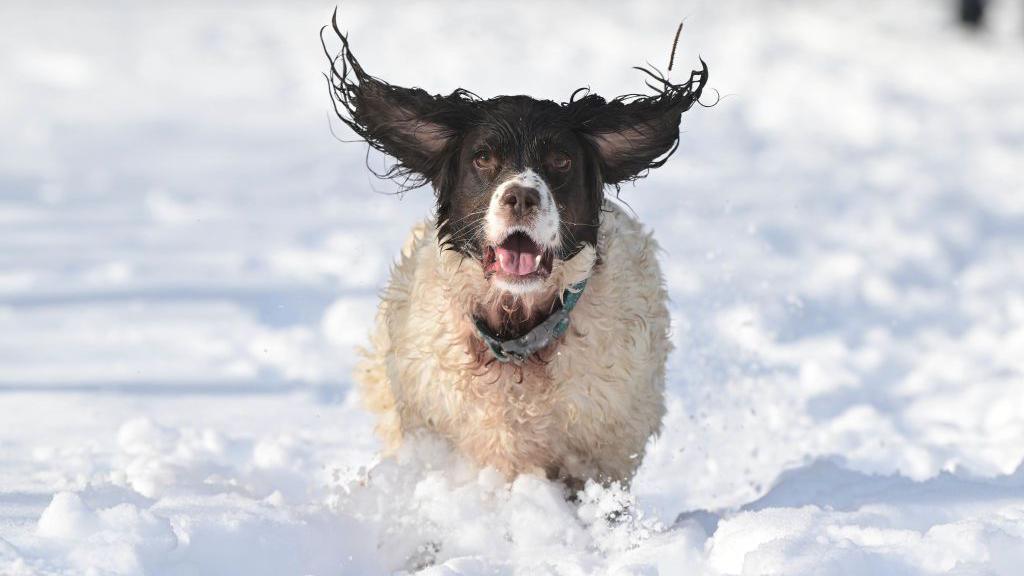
point(179, 501)
point(434, 510)
point(119, 540)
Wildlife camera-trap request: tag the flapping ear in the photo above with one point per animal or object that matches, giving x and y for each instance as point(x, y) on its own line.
point(635, 133)
point(409, 124)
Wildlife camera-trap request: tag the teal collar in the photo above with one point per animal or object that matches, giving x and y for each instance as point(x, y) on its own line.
point(553, 327)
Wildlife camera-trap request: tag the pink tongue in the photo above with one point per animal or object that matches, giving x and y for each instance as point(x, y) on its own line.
point(517, 255)
point(516, 263)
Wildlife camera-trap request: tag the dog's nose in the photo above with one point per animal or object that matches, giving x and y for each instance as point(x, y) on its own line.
point(520, 199)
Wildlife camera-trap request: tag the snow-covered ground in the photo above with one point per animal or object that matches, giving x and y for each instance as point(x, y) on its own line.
point(188, 259)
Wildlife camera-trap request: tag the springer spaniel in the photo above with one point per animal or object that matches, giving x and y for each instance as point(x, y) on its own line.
point(526, 321)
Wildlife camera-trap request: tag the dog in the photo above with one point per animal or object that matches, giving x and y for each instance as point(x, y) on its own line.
point(526, 321)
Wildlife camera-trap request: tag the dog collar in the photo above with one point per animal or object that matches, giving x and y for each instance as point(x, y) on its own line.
point(519, 349)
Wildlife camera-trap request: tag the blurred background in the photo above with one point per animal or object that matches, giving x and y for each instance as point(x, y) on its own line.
point(187, 252)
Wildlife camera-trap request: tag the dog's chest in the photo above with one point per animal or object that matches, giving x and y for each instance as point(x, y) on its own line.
point(515, 417)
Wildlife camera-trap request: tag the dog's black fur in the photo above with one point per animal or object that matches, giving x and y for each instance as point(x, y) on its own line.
point(464, 145)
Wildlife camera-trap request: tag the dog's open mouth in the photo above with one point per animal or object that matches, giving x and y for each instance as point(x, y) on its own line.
point(517, 257)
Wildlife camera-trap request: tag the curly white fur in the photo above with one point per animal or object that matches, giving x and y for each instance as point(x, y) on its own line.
point(585, 413)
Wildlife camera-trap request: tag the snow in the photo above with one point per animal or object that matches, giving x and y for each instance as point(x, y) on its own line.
point(188, 260)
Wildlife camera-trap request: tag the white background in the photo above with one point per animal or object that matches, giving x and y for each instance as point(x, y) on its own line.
point(188, 259)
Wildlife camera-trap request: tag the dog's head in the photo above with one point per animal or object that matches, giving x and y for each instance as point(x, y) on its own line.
point(519, 181)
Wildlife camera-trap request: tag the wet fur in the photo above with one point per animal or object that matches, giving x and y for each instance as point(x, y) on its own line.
point(584, 409)
point(585, 406)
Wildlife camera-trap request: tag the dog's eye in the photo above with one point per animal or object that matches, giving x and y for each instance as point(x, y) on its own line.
point(483, 160)
point(560, 161)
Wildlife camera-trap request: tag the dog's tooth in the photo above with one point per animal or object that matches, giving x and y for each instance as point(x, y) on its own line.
point(536, 262)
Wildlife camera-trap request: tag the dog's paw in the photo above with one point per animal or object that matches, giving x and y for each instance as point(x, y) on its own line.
point(425, 556)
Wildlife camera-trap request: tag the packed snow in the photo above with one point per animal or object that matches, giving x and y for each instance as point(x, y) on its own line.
point(189, 258)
